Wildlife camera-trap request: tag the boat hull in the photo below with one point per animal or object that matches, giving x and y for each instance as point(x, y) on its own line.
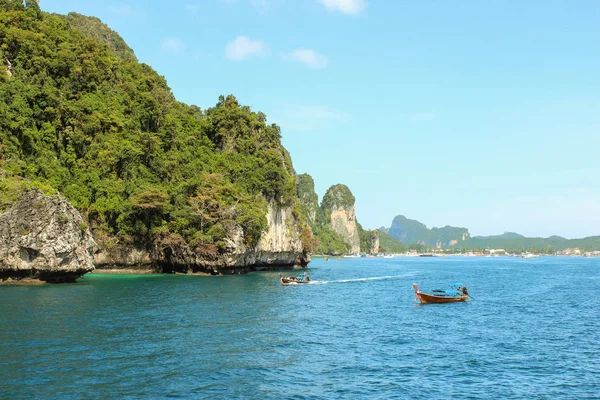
point(428, 298)
point(291, 282)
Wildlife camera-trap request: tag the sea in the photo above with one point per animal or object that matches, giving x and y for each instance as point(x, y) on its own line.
point(532, 331)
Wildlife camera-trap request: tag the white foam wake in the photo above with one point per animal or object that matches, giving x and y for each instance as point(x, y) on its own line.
point(373, 278)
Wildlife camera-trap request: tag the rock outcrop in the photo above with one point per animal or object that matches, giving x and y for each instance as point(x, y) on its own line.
point(375, 243)
point(44, 238)
point(280, 247)
point(338, 203)
point(309, 201)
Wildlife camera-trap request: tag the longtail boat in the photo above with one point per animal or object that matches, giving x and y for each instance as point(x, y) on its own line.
point(454, 295)
point(303, 278)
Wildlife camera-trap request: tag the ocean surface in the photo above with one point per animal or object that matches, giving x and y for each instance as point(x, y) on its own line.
point(531, 332)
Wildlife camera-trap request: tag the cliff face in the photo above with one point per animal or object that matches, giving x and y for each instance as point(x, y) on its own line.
point(309, 201)
point(338, 203)
point(375, 243)
point(343, 222)
point(279, 247)
point(44, 238)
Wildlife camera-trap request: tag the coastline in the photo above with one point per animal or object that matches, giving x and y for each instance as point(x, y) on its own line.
point(23, 282)
point(123, 271)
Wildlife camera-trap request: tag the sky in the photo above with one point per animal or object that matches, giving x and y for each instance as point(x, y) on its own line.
point(479, 114)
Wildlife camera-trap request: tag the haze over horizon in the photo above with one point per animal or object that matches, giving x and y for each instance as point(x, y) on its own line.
point(483, 116)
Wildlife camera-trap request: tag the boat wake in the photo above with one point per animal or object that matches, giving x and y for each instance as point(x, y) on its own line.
point(374, 278)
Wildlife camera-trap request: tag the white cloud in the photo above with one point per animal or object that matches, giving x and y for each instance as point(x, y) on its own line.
point(345, 6)
point(173, 45)
point(308, 57)
point(243, 47)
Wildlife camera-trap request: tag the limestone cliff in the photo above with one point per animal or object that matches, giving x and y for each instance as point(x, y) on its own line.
point(375, 243)
point(369, 240)
point(280, 247)
point(309, 201)
point(338, 204)
point(44, 238)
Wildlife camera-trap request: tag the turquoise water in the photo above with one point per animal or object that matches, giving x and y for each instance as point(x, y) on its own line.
point(531, 332)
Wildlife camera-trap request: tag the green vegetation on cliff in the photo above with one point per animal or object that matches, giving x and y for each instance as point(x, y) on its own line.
point(325, 240)
point(309, 201)
point(338, 196)
point(367, 238)
point(79, 114)
point(391, 245)
point(93, 28)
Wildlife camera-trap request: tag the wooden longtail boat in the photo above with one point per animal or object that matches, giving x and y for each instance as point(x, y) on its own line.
point(461, 295)
point(303, 278)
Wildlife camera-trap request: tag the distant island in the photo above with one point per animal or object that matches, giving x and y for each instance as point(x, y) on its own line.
point(95, 144)
point(417, 236)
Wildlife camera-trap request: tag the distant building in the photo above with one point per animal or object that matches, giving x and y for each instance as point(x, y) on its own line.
point(497, 252)
point(569, 252)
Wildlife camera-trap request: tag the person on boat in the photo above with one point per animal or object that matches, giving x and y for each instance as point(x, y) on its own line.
point(464, 291)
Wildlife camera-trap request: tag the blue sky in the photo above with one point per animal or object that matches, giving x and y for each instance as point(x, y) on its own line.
point(482, 114)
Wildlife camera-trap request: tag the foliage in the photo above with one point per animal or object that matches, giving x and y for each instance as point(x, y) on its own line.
point(389, 244)
point(309, 201)
point(328, 241)
point(367, 238)
point(80, 115)
point(93, 28)
point(325, 240)
point(13, 187)
point(338, 196)
point(420, 248)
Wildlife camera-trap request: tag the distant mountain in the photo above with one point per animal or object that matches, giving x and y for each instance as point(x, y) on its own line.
point(523, 243)
point(505, 235)
point(410, 231)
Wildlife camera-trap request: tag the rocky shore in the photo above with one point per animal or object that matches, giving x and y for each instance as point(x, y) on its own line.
point(44, 239)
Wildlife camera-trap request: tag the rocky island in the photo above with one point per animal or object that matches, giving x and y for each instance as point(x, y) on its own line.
point(160, 185)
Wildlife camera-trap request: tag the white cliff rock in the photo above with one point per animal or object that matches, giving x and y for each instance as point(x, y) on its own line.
point(44, 238)
point(278, 248)
point(343, 221)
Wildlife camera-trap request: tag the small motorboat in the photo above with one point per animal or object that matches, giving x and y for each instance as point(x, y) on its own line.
point(303, 278)
point(456, 293)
